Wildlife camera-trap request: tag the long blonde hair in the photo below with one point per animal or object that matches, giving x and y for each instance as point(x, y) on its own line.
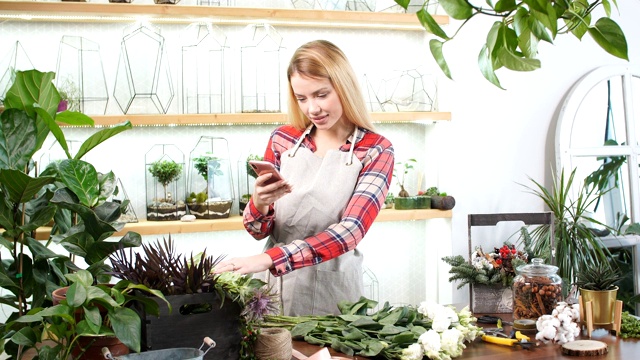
point(321, 59)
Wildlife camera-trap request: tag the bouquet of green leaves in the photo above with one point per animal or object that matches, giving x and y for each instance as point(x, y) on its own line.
point(405, 332)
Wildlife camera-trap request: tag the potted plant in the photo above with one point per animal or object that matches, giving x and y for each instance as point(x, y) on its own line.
point(575, 245)
point(490, 275)
point(597, 284)
point(202, 204)
point(404, 200)
point(440, 200)
point(70, 192)
point(86, 317)
point(165, 171)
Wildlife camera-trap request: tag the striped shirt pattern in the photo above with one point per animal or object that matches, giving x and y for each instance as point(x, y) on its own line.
point(376, 155)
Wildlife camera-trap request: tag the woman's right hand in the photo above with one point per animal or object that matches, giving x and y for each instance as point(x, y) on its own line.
point(265, 195)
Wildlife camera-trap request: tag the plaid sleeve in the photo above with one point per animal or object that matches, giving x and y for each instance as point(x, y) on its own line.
point(376, 154)
point(258, 225)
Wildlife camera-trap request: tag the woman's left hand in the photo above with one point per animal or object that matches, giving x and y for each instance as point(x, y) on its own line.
point(245, 265)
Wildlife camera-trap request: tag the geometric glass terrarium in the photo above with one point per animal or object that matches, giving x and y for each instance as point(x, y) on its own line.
point(203, 70)
point(15, 60)
point(361, 5)
point(165, 183)
point(320, 4)
point(260, 54)
point(143, 80)
point(80, 76)
point(246, 181)
point(402, 90)
point(127, 213)
point(210, 180)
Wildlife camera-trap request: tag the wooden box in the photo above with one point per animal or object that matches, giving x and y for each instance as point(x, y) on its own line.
point(193, 317)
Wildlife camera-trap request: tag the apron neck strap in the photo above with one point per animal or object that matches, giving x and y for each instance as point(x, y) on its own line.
point(354, 138)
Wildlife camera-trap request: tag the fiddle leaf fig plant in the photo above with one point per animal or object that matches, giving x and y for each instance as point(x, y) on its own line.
point(69, 192)
point(512, 42)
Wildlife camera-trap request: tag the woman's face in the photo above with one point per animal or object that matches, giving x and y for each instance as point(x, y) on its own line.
point(318, 101)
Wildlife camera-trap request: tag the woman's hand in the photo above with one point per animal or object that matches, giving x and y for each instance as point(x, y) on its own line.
point(245, 265)
point(265, 195)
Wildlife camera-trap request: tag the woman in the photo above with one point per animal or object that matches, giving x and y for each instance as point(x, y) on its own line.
point(336, 174)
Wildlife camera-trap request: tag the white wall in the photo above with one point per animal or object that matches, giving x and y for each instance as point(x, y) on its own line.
point(500, 138)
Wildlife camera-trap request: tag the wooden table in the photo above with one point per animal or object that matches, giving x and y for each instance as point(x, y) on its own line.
point(619, 349)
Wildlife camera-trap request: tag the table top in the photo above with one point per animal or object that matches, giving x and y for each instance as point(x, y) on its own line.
point(618, 349)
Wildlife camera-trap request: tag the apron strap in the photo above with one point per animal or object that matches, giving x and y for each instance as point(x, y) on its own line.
point(353, 142)
point(304, 134)
point(308, 130)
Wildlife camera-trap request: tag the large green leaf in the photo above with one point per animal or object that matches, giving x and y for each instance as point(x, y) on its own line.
point(39, 251)
point(100, 250)
point(517, 62)
point(74, 118)
point(22, 187)
point(436, 50)
point(430, 24)
point(76, 294)
point(17, 139)
point(457, 9)
point(81, 178)
point(41, 217)
point(126, 325)
point(578, 19)
point(34, 87)
point(505, 5)
point(108, 185)
point(97, 228)
point(54, 128)
point(610, 37)
point(100, 136)
point(25, 336)
point(486, 67)
point(403, 3)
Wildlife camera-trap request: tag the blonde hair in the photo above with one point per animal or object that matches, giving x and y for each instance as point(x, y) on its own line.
point(321, 59)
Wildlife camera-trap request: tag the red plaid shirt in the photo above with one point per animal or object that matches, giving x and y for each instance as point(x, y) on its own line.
point(376, 155)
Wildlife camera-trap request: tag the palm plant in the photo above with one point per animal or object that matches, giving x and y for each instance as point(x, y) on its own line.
point(575, 246)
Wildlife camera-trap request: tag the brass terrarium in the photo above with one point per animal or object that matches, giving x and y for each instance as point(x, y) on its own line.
point(165, 183)
point(203, 69)
point(210, 181)
point(260, 71)
point(80, 75)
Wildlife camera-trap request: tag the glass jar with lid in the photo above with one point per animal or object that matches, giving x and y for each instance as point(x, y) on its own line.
point(536, 290)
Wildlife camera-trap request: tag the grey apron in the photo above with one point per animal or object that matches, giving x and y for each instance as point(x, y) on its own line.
point(322, 189)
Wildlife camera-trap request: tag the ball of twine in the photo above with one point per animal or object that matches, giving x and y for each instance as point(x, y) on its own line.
point(273, 344)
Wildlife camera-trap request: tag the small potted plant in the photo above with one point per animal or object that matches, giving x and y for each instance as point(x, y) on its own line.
point(490, 275)
point(440, 200)
point(404, 200)
point(597, 283)
point(166, 172)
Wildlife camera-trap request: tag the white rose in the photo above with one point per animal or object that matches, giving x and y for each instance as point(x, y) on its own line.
point(413, 352)
point(431, 345)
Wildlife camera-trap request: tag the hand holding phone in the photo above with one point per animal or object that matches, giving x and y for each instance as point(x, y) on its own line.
point(265, 167)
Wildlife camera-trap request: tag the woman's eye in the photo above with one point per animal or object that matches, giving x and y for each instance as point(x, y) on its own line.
point(322, 95)
point(300, 99)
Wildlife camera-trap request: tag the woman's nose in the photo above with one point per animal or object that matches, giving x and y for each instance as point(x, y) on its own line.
point(314, 108)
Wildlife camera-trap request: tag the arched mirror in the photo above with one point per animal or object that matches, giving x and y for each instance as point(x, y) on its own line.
point(597, 134)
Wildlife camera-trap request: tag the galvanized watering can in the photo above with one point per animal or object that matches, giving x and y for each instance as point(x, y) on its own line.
point(167, 354)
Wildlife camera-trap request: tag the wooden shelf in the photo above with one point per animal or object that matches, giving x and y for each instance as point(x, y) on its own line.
point(235, 223)
point(122, 12)
point(252, 118)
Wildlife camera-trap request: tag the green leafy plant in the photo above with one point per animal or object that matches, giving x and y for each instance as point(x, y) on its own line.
point(576, 246)
point(389, 333)
point(70, 192)
point(88, 311)
point(497, 267)
point(433, 191)
point(520, 26)
point(599, 277)
point(165, 171)
point(201, 164)
point(405, 167)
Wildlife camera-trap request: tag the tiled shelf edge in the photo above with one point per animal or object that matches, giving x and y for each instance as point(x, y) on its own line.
point(235, 223)
point(253, 118)
point(122, 12)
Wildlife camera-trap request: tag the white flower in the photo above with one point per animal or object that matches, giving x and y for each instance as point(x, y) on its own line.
point(451, 341)
point(430, 309)
point(413, 352)
point(430, 341)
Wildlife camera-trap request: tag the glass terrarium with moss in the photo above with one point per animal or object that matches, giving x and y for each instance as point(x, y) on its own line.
point(246, 181)
point(209, 178)
point(164, 180)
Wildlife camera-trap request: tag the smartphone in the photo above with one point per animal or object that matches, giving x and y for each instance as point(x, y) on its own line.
point(264, 167)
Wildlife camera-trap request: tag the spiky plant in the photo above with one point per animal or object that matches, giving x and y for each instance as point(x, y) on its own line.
point(600, 277)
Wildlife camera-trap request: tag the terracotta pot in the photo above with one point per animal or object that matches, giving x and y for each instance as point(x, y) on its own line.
point(93, 347)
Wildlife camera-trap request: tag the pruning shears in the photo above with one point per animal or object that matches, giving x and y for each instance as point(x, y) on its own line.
point(516, 338)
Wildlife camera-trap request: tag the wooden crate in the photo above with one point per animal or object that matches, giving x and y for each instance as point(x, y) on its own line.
point(175, 329)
